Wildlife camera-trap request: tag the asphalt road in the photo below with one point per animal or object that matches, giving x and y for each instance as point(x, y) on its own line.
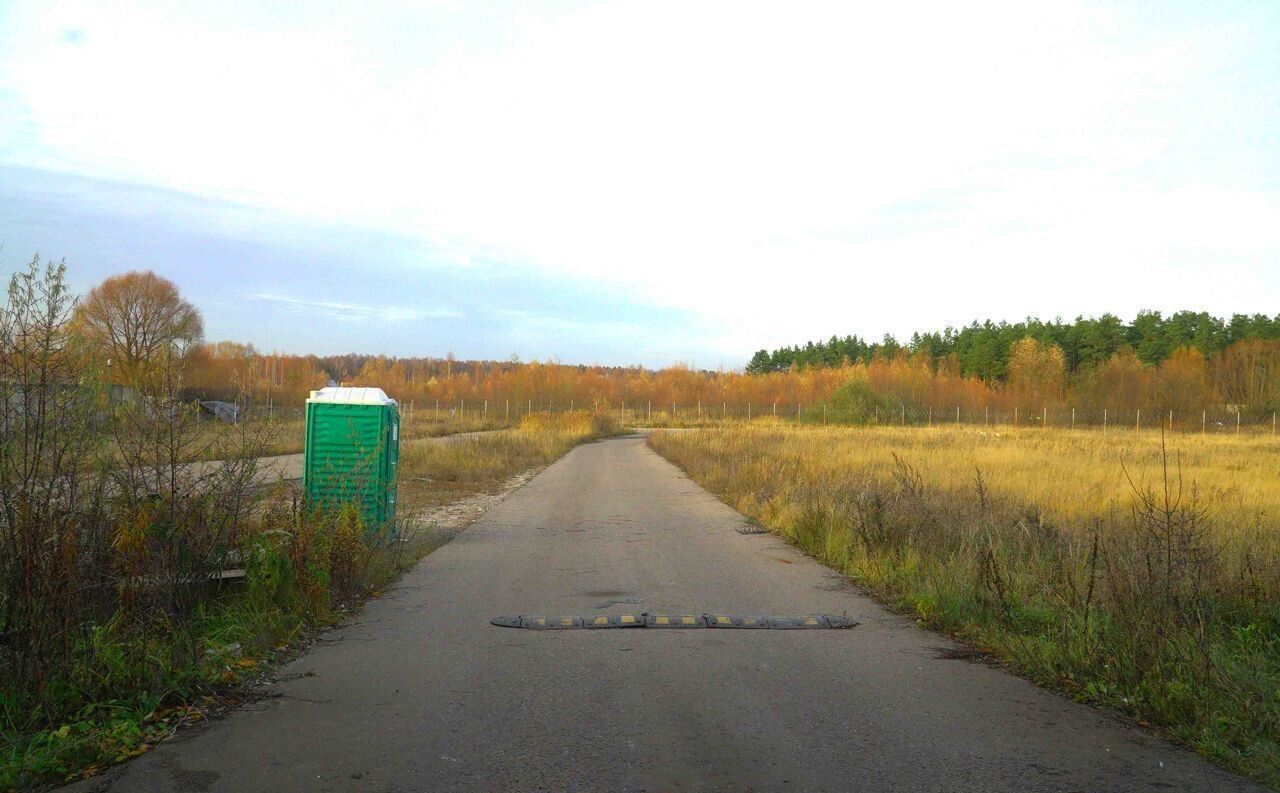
point(421, 693)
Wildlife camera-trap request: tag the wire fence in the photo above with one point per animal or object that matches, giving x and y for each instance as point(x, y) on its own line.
point(1220, 420)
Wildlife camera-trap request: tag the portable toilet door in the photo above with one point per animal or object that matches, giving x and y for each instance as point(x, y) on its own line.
point(392, 462)
point(351, 452)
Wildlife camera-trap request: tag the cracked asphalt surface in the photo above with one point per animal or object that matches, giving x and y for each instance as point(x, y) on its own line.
point(421, 693)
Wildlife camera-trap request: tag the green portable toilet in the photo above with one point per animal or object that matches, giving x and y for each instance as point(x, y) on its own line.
point(352, 448)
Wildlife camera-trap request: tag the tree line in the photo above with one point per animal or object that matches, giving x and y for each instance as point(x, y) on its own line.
point(984, 349)
point(138, 327)
point(237, 372)
point(1188, 363)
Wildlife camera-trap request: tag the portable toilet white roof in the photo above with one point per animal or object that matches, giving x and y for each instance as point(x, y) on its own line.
point(351, 395)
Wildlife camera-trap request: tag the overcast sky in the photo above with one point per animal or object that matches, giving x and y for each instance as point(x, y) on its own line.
point(646, 182)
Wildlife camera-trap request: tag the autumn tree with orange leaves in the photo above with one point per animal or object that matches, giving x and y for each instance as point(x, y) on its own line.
point(1183, 385)
point(1037, 372)
point(139, 321)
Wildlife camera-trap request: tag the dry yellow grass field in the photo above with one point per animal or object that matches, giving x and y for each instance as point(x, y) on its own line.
point(1071, 475)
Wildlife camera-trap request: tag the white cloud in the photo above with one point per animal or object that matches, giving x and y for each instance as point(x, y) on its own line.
point(356, 311)
point(780, 170)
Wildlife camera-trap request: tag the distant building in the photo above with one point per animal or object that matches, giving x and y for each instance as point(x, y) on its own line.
point(222, 411)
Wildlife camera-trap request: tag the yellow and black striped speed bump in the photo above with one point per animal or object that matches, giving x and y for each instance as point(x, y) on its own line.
point(647, 620)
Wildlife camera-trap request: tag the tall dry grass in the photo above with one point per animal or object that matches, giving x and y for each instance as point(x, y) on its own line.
point(432, 473)
point(426, 424)
point(1126, 573)
point(1071, 475)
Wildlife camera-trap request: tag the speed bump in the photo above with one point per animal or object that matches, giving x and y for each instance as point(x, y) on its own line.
point(647, 620)
point(788, 623)
point(675, 620)
point(839, 621)
point(540, 623)
point(731, 621)
point(614, 621)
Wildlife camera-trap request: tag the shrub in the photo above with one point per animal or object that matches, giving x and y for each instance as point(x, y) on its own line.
point(855, 402)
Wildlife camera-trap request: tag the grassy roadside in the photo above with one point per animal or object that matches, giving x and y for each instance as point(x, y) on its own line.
point(140, 675)
point(426, 425)
point(1163, 603)
point(435, 473)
